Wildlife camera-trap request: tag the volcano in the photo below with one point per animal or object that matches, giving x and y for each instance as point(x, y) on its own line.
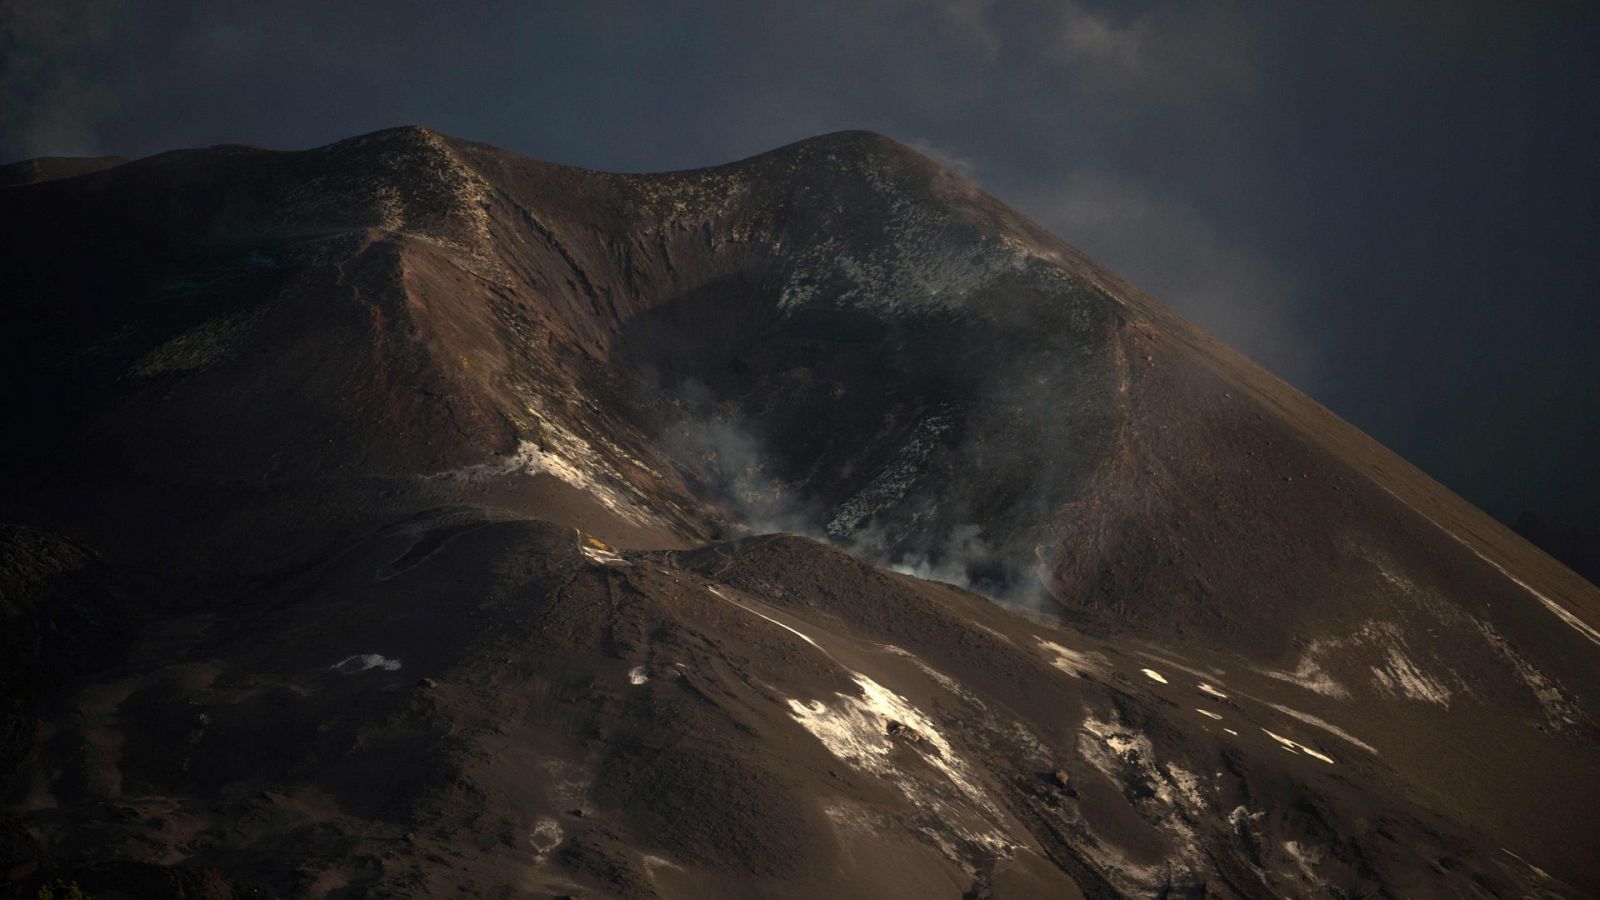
point(406, 517)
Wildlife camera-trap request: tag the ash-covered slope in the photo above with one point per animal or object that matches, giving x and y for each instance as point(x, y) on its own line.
point(328, 423)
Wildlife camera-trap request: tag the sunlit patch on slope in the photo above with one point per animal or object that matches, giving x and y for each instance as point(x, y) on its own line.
point(1186, 786)
point(1208, 714)
point(1155, 676)
point(860, 730)
point(1026, 742)
point(1208, 689)
point(1241, 817)
point(755, 612)
point(857, 729)
point(863, 731)
point(1081, 663)
point(1309, 674)
point(943, 680)
point(1390, 663)
point(1167, 661)
point(546, 836)
point(1295, 746)
point(564, 455)
point(1560, 709)
point(1329, 727)
point(1531, 867)
point(1400, 675)
point(1305, 860)
point(1164, 795)
point(361, 662)
point(1396, 674)
point(599, 551)
point(1561, 612)
point(1131, 754)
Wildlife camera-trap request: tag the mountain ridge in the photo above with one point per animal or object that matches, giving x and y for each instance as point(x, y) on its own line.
point(312, 390)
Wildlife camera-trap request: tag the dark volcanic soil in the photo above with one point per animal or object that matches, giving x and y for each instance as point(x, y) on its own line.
point(396, 519)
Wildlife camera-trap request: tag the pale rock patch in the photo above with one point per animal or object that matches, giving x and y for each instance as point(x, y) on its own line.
point(1295, 746)
point(362, 662)
point(1079, 663)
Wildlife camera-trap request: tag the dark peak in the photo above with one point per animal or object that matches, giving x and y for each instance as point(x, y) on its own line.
point(854, 140)
point(851, 146)
point(869, 151)
point(401, 133)
point(401, 137)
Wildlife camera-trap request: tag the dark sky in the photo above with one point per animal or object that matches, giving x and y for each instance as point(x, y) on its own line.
point(1395, 207)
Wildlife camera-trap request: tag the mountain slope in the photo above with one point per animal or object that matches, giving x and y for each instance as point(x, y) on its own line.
point(400, 398)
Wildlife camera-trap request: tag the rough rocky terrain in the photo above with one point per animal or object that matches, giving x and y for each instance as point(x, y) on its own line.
point(405, 517)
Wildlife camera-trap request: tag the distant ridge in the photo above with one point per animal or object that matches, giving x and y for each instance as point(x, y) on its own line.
point(50, 168)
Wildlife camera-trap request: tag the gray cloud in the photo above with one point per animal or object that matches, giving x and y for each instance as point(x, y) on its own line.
point(970, 20)
point(961, 165)
point(1084, 37)
point(52, 102)
point(1183, 259)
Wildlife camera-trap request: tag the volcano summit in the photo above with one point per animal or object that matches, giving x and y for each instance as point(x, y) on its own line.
point(406, 517)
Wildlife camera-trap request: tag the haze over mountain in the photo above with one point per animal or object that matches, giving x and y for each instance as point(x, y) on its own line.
point(1391, 209)
point(405, 517)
